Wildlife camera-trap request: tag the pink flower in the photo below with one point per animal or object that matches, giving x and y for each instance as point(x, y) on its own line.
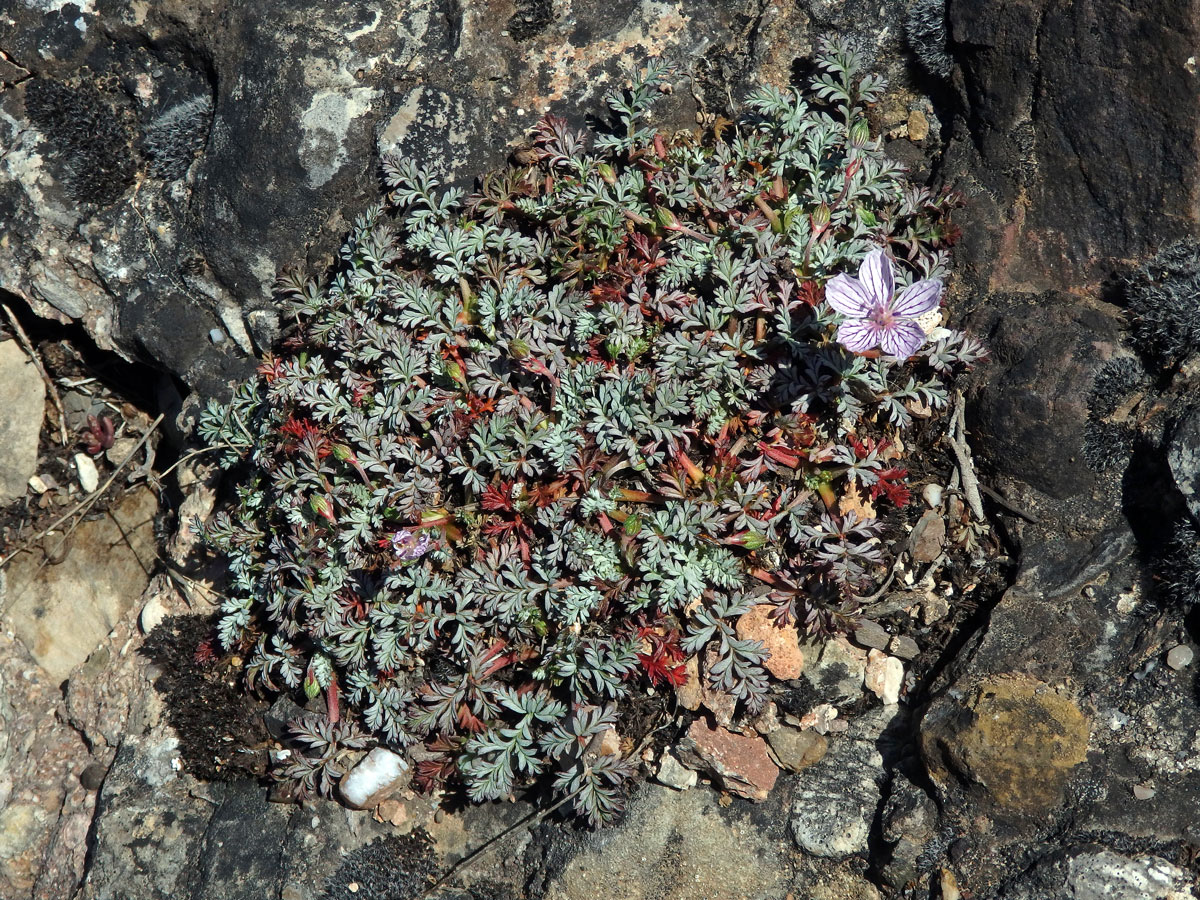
point(875, 317)
point(409, 545)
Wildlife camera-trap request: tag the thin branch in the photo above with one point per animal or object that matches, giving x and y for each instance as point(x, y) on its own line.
point(958, 442)
point(54, 398)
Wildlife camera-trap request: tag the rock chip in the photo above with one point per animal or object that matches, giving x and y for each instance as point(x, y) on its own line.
point(22, 405)
point(1180, 657)
point(928, 537)
point(796, 749)
point(884, 676)
point(836, 670)
point(786, 661)
point(934, 608)
point(374, 778)
point(871, 634)
point(932, 495)
point(740, 764)
point(918, 126)
point(89, 476)
point(674, 774)
point(904, 647)
point(1012, 741)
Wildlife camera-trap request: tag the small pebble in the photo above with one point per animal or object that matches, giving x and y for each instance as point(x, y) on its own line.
point(89, 477)
point(216, 336)
point(93, 776)
point(1143, 791)
point(674, 774)
point(904, 647)
point(918, 126)
point(1180, 657)
point(932, 494)
point(152, 614)
point(871, 635)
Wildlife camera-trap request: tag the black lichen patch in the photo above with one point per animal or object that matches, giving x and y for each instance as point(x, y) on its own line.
point(220, 739)
point(395, 867)
point(87, 136)
point(1164, 304)
point(174, 139)
point(531, 18)
point(925, 30)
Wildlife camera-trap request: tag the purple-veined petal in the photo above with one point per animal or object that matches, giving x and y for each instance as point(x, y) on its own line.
point(918, 299)
point(902, 339)
point(847, 295)
point(876, 277)
point(858, 335)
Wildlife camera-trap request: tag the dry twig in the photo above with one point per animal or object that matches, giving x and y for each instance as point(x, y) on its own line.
point(37, 361)
point(957, 437)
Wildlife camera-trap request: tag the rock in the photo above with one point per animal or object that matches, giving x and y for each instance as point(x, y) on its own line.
point(1180, 657)
point(722, 704)
point(160, 833)
point(1038, 155)
point(673, 845)
point(909, 822)
point(1183, 456)
point(918, 126)
point(904, 647)
point(155, 608)
point(835, 670)
point(22, 405)
point(92, 778)
point(1012, 742)
point(674, 774)
point(934, 608)
point(690, 694)
point(1046, 349)
point(836, 799)
point(785, 660)
point(823, 719)
point(1090, 872)
point(120, 449)
point(928, 537)
point(796, 749)
point(932, 495)
point(739, 763)
point(89, 476)
point(62, 612)
point(374, 778)
point(1143, 792)
point(871, 634)
point(884, 676)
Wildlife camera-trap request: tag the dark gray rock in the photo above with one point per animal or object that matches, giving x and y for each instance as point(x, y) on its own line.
point(1030, 421)
point(908, 823)
point(837, 800)
point(1090, 872)
point(1075, 137)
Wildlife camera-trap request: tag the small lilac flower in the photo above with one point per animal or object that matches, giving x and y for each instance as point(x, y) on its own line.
point(409, 545)
point(874, 316)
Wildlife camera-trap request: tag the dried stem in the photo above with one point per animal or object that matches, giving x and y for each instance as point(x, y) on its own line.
point(54, 398)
